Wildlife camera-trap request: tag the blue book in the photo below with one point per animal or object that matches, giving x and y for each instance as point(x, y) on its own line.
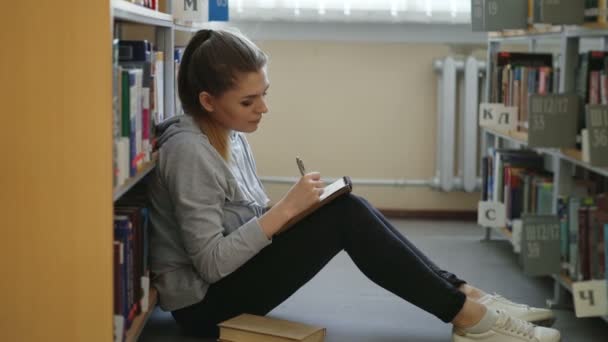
point(122, 233)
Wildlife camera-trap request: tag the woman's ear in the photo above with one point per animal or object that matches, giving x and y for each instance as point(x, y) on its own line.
point(206, 101)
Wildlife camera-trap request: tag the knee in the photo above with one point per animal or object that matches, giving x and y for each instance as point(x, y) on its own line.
point(352, 206)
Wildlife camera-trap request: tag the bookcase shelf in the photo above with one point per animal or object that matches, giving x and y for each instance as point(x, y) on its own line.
point(560, 162)
point(572, 156)
point(140, 321)
point(566, 283)
point(551, 31)
point(131, 182)
point(126, 11)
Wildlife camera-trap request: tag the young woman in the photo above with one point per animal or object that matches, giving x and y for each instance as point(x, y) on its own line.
point(214, 252)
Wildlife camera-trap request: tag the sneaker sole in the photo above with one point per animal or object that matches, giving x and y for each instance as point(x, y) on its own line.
point(544, 323)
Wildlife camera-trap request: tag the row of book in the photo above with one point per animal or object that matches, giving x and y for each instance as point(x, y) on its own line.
point(591, 81)
point(151, 4)
point(131, 271)
point(516, 178)
point(516, 76)
point(584, 227)
point(138, 102)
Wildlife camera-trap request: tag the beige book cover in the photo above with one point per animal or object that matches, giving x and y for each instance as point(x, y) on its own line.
point(252, 328)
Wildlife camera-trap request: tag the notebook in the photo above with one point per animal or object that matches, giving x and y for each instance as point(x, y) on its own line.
point(332, 191)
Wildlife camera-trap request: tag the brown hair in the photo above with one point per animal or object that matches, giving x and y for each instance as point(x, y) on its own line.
point(211, 63)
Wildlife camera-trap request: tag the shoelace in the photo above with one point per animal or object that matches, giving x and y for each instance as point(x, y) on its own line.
point(516, 326)
point(504, 300)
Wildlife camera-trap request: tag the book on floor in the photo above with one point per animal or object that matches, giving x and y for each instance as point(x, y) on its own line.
point(253, 328)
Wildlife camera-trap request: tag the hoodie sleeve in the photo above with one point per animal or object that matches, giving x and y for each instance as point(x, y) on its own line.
point(198, 200)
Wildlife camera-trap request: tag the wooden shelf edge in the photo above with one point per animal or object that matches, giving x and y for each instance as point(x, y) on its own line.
point(569, 154)
point(140, 321)
point(124, 10)
point(527, 33)
point(596, 26)
point(507, 233)
point(119, 191)
point(515, 136)
point(566, 282)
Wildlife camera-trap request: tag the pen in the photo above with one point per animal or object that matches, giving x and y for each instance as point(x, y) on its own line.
point(300, 166)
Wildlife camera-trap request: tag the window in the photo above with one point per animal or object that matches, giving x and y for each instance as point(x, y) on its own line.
point(446, 11)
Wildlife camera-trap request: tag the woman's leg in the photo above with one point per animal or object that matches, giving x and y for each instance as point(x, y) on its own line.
point(298, 254)
point(453, 279)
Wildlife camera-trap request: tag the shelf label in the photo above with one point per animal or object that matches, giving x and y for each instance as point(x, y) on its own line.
point(597, 134)
point(200, 11)
point(517, 229)
point(560, 12)
point(491, 214)
point(190, 11)
point(498, 116)
point(590, 298)
point(496, 15)
point(540, 245)
point(218, 10)
point(553, 120)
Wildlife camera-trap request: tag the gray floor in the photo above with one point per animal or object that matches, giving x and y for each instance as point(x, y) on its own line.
point(353, 309)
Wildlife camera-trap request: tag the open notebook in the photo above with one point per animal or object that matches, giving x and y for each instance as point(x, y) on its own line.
point(332, 191)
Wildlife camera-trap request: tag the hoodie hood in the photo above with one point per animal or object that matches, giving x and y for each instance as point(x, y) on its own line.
point(180, 124)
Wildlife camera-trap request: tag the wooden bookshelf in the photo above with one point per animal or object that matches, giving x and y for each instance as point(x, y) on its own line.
point(56, 180)
point(140, 321)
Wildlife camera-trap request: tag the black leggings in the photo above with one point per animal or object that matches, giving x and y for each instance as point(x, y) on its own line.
point(349, 223)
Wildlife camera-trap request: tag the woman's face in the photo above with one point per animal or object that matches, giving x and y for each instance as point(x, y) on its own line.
point(240, 108)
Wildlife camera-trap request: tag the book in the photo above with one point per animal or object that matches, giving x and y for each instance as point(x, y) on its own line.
point(332, 191)
point(253, 328)
point(606, 251)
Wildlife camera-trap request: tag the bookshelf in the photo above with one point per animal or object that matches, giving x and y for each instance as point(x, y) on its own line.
point(56, 178)
point(161, 27)
point(560, 162)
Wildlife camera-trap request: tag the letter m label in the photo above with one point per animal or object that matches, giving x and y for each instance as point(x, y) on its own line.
point(191, 4)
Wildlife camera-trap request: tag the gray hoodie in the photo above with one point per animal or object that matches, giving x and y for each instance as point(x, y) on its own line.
point(203, 212)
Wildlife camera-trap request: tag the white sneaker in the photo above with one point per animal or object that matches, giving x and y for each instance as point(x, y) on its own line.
point(509, 329)
point(538, 316)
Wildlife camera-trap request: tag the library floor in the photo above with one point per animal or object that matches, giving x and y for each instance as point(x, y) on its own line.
point(353, 309)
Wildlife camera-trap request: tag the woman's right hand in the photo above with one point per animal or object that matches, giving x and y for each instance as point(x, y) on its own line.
point(303, 195)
